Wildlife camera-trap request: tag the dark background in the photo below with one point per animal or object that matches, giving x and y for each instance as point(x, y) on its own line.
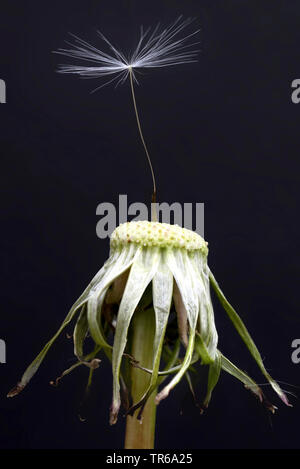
point(223, 131)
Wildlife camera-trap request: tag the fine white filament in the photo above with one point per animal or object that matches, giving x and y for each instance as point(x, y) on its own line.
point(155, 49)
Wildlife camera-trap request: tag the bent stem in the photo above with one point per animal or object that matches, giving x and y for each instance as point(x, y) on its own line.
point(153, 204)
point(140, 433)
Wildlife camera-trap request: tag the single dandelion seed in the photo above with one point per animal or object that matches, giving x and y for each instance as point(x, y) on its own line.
point(156, 48)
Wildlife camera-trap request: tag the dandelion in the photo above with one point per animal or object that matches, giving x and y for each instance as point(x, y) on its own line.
point(149, 308)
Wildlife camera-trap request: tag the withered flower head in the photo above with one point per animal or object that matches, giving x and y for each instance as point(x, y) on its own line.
point(174, 261)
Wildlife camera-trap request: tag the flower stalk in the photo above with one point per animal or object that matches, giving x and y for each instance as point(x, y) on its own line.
point(140, 432)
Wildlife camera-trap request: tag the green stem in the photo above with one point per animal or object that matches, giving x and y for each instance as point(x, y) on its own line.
point(140, 433)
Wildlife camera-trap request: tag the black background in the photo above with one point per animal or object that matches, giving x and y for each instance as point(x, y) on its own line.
point(223, 131)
